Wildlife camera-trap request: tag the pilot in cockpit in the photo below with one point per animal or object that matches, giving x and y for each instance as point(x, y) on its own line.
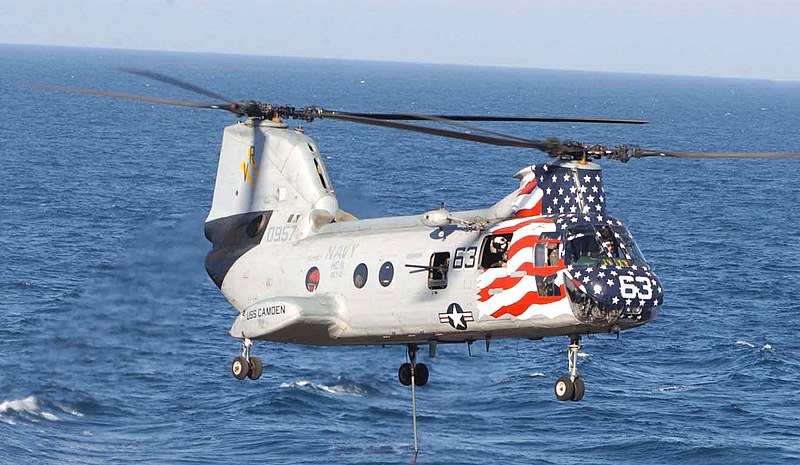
point(499, 248)
point(610, 248)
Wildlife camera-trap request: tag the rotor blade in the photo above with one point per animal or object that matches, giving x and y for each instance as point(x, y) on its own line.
point(176, 82)
point(533, 144)
point(539, 119)
point(458, 124)
point(141, 98)
point(713, 155)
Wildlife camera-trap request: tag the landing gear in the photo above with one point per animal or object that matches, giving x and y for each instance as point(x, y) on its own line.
point(421, 374)
point(571, 387)
point(245, 366)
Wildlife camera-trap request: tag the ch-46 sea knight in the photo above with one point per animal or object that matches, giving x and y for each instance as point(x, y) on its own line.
point(547, 259)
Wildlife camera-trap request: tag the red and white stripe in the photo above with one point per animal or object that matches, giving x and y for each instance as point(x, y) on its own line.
point(512, 290)
point(529, 200)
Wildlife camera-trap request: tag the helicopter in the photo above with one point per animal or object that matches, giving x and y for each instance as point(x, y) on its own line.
point(547, 259)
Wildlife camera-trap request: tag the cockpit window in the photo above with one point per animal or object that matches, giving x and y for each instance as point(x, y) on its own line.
point(601, 245)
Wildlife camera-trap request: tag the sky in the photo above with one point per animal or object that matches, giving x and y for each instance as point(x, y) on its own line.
point(726, 38)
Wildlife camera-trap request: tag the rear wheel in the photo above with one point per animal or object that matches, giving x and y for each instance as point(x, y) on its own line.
point(564, 388)
point(256, 368)
point(240, 367)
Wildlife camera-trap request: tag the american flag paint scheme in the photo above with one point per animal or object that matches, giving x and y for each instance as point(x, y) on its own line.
point(558, 205)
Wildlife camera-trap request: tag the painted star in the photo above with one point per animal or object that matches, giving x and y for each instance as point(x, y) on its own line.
point(615, 300)
point(457, 320)
point(610, 282)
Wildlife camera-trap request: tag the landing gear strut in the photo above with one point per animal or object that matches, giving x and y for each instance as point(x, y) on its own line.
point(413, 374)
point(571, 387)
point(245, 366)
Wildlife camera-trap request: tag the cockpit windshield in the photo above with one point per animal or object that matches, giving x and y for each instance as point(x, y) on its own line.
point(590, 244)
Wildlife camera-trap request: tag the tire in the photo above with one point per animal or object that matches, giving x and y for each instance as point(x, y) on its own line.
point(240, 367)
point(564, 388)
point(580, 389)
point(256, 368)
point(421, 374)
point(404, 374)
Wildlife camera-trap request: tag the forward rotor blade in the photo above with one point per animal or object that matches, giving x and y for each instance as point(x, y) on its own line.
point(539, 119)
point(532, 144)
point(715, 155)
point(141, 98)
point(177, 83)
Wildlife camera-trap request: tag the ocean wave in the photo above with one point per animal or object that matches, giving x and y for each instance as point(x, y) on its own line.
point(28, 405)
point(745, 343)
point(336, 389)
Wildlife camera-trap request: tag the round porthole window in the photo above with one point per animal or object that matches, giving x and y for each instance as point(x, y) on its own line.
point(386, 274)
point(360, 276)
point(312, 279)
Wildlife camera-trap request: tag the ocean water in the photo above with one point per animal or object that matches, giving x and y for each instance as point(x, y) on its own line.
point(113, 344)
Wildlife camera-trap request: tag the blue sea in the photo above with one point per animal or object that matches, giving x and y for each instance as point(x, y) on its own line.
point(113, 343)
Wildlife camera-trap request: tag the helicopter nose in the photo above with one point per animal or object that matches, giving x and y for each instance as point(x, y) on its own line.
point(606, 293)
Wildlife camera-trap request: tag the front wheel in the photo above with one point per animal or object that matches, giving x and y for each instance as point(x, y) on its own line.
point(404, 374)
point(421, 374)
point(580, 389)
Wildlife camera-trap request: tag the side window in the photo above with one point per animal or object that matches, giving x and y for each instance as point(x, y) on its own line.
point(360, 275)
point(321, 176)
point(494, 251)
point(386, 274)
point(437, 274)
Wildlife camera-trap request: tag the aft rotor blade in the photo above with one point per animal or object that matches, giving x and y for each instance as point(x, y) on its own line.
point(141, 98)
point(715, 155)
point(460, 124)
point(532, 144)
point(176, 82)
point(522, 119)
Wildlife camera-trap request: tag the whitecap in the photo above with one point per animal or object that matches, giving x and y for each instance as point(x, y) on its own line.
point(673, 388)
point(745, 343)
point(66, 409)
point(767, 346)
point(538, 373)
point(583, 354)
point(337, 389)
point(27, 405)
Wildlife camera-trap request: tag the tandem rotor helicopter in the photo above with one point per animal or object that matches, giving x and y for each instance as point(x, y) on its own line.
point(545, 260)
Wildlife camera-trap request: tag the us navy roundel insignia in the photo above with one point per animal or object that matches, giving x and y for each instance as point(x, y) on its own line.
point(456, 316)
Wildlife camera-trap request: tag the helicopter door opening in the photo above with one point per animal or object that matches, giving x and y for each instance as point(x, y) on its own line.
point(437, 273)
point(546, 255)
point(494, 251)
